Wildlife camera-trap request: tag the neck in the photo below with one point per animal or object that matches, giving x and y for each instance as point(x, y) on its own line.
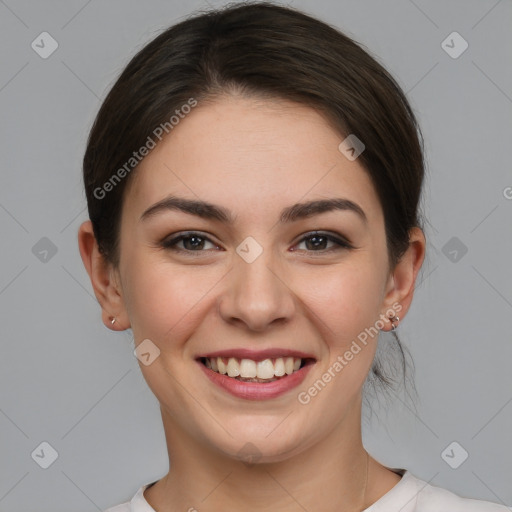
point(332, 475)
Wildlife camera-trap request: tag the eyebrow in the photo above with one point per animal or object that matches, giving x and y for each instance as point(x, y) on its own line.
point(292, 213)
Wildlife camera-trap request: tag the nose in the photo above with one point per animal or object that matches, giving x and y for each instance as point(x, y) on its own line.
point(257, 294)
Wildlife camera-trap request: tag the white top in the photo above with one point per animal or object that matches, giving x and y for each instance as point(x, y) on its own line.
point(410, 494)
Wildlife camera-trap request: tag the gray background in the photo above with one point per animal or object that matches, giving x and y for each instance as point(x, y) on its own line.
point(67, 380)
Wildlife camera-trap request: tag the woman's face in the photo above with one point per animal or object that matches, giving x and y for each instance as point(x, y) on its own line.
point(258, 283)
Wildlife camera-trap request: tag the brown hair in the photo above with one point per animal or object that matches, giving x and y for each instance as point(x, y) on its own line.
point(266, 50)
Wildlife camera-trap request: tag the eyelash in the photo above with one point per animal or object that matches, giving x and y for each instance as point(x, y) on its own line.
point(170, 244)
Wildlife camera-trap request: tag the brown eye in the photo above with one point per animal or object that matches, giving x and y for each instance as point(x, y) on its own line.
point(317, 242)
point(192, 242)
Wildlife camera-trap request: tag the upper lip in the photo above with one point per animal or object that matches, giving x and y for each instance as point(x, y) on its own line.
point(257, 355)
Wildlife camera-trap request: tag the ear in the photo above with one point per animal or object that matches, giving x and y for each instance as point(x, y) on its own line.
point(401, 282)
point(104, 279)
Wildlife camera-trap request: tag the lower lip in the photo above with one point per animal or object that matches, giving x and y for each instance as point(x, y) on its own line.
point(256, 390)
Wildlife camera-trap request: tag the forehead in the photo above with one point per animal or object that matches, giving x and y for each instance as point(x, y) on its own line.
point(246, 154)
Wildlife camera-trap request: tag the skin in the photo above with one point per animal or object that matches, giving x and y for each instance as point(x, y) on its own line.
point(255, 157)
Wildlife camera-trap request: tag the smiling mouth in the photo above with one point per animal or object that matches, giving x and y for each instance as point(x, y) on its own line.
point(248, 370)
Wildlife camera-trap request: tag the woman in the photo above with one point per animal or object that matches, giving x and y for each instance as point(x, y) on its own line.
point(253, 181)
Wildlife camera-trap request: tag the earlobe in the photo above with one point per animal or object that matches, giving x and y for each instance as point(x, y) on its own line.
point(101, 275)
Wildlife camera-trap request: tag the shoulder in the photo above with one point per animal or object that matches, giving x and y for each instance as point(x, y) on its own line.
point(137, 504)
point(123, 507)
point(431, 498)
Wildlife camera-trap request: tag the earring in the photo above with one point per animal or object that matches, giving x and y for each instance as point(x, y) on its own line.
point(113, 320)
point(394, 319)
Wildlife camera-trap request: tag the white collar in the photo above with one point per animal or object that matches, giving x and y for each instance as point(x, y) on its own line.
point(403, 495)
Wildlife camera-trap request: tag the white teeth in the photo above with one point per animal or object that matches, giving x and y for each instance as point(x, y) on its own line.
point(249, 369)
point(233, 368)
point(265, 369)
point(279, 370)
point(221, 366)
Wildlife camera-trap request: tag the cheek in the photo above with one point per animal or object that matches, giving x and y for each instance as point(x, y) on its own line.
point(162, 300)
point(346, 298)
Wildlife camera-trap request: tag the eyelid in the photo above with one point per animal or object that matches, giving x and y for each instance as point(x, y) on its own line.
point(170, 242)
point(341, 242)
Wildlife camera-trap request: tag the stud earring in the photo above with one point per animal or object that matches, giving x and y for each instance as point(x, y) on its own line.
point(394, 319)
point(113, 320)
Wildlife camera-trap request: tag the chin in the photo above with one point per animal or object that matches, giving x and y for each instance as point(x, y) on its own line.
point(257, 446)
